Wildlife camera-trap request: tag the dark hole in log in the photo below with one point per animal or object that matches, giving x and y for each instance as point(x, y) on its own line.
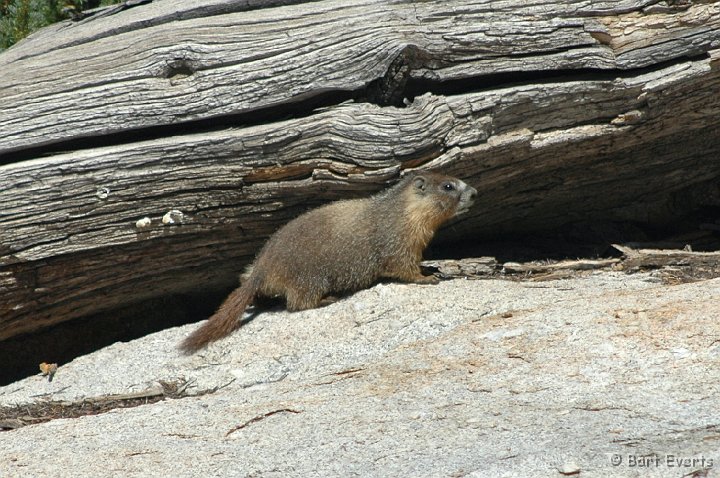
point(178, 69)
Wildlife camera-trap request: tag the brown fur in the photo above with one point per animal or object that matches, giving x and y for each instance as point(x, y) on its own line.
point(343, 247)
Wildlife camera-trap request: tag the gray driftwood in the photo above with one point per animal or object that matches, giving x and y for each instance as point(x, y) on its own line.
point(455, 268)
point(243, 114)
point(635, 259)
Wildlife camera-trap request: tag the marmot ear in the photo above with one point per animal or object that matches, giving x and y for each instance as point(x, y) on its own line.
point(420, 182)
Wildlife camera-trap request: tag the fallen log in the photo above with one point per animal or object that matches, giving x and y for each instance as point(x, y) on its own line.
point(241, 117)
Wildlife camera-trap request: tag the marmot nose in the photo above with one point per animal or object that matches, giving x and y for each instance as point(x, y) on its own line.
point(472, 193)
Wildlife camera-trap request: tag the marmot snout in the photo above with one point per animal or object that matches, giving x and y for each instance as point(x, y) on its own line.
point(343, 247)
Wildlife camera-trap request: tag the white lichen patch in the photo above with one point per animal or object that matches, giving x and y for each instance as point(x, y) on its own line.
point(103, 193)
point(173, 216)
point(143, 223)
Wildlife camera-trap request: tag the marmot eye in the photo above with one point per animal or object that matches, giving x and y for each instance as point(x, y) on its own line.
point(449, 187)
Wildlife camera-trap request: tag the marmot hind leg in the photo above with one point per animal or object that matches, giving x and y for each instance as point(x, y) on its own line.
point(298, 299)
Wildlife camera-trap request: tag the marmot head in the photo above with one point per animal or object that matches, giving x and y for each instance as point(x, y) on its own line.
point(451, 196)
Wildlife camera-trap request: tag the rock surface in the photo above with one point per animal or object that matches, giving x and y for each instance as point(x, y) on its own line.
point(466, 378)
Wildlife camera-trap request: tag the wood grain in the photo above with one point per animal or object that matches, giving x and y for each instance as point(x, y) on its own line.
point(157, 65)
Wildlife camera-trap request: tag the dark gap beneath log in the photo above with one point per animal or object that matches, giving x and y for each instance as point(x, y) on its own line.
point(62, 343)
point(21, 355)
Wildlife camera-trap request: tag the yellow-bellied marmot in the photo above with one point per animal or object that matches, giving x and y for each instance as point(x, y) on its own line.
point(343, 247)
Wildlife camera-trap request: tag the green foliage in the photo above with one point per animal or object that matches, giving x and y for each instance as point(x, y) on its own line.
point(19, 18)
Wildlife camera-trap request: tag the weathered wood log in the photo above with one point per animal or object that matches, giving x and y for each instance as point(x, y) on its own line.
point(562, 266)
point(635, 259)
point(239, 115)
point(455, 268)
